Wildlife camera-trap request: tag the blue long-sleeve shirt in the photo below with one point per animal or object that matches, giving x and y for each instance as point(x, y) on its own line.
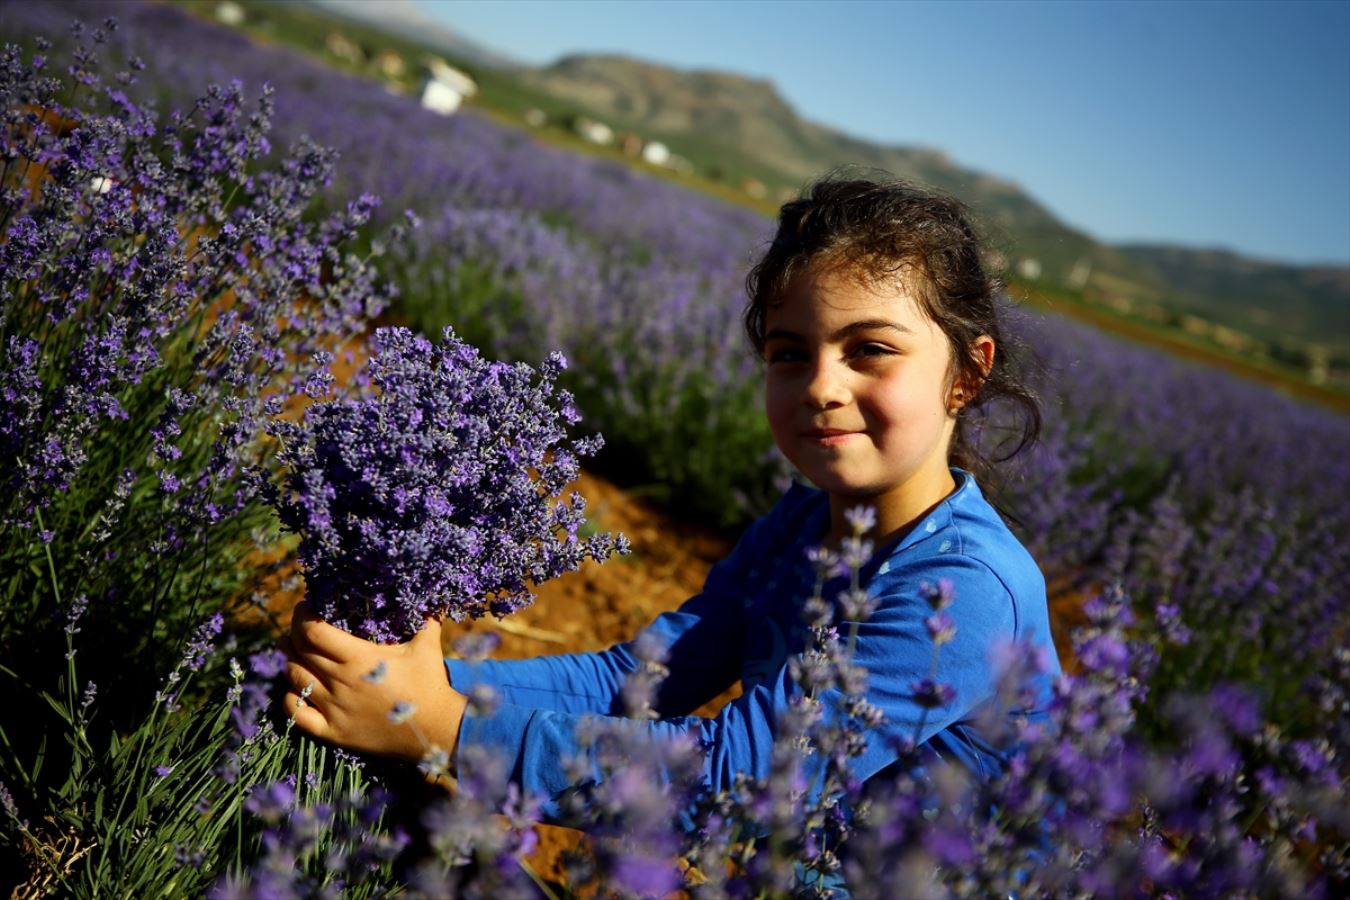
point(745, 624)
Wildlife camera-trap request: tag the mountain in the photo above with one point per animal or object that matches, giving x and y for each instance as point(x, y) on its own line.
point(752, 132)
point(1310, 302)
point(741, 128)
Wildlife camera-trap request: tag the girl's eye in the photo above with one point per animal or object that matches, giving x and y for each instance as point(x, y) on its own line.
point(873, 351)
point(784, 355)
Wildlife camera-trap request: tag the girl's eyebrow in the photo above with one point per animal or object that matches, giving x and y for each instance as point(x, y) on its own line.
point(848, 330)
point(868, 325)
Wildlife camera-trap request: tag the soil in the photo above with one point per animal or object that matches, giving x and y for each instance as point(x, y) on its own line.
point(605, 603)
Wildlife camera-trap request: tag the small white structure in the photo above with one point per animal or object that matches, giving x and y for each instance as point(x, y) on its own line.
point(1079, 275)
point(595, 132)
point(1029, 267)
point(656, 153)
point(390, 64)
point(536, 117)
point(446, 87)
point(230, 13)
point(344, 49)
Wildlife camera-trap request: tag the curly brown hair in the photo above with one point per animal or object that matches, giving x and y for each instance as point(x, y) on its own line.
point(884, 227)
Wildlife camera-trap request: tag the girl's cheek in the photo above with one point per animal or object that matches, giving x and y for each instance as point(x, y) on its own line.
point(778, 415)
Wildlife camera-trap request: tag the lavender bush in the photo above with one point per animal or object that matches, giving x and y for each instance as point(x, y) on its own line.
point(165, 284)
point(1221, 804)
point(439, 493)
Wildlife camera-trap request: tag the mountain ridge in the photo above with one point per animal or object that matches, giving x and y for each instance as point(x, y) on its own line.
point(749, 121)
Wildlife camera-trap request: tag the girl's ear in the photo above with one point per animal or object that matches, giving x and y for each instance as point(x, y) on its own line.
point(982, 352)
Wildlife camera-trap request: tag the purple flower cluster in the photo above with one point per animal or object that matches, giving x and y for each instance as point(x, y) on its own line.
point(162, 288)
point(317, 849)
point(478, 838)
point(438, 492)
point(1212, 501)
point(165, 281)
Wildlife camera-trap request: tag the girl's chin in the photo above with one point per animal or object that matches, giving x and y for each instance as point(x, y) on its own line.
point(842, 488)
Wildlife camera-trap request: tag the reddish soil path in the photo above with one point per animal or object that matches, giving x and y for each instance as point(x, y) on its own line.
point(605, 603)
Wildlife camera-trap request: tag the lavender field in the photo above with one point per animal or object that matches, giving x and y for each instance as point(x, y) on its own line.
point(174, 288)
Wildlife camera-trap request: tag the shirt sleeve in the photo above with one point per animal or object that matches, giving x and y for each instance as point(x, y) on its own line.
point(893, 645)
point(703, 640)
point(897, 650)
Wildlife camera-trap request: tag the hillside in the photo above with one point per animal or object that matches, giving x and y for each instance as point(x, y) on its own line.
point(754, 133)
point(1310, 302)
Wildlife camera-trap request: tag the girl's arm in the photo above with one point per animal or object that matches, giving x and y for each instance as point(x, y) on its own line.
point(349, 707)
point(895, 647)
point(401, 699)
point(703, 640)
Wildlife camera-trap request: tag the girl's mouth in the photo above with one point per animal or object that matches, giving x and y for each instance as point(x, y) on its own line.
point(829, 437)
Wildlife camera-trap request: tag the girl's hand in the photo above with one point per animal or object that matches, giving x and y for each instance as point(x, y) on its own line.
point(387, 699)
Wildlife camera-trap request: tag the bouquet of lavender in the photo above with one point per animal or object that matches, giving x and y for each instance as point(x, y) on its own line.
point(436, 489)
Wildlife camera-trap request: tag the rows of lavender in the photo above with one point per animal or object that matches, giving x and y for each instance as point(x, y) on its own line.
point(173, 291)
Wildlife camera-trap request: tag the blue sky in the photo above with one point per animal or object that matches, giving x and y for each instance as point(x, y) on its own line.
point(1200, 123)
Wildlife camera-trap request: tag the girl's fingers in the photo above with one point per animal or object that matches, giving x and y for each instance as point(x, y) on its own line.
point(322, 666)
point(310, 634)
point(430, 633)
point(307, 717)
point(297, 644)
point(302, 680)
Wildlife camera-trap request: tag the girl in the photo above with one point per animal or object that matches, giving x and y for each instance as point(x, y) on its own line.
point(879, 329)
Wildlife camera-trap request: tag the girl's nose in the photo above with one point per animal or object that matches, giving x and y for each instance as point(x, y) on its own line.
point(826, 387)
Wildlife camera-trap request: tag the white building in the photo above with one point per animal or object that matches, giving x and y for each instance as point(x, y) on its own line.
point(595, 132)
point(656, 153)
point(230, 13)
point(446, 87)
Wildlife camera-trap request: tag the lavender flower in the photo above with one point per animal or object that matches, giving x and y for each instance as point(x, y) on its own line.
point(861, 519)
point(10, 807)
point(199, 647)
point(940, 627)
point(436, 494)
point(401, 712)
point(938, 596)
point(931, 694)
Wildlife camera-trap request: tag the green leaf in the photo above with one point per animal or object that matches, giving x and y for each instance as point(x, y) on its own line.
point(59, 707)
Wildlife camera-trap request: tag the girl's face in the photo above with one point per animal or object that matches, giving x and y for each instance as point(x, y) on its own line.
point(858, 393)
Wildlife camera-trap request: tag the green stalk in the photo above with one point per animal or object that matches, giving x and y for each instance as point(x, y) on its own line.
point(70, 640)
point(854, 584)
point(538, 881)
point(923, 716)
